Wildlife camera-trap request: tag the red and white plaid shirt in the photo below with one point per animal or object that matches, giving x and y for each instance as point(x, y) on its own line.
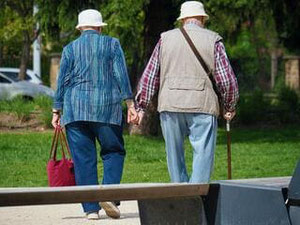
point(223, 74)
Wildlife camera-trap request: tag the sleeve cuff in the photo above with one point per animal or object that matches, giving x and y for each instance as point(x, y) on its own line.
point(127, 97)
point(57, 105)
point(229, 108)
point(139, 108)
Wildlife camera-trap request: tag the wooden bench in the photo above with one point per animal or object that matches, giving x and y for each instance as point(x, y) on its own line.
point(218, 203)
point(179, 203)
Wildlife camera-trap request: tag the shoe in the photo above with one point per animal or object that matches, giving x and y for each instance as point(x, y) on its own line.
point(92, 216)
point(111, 209)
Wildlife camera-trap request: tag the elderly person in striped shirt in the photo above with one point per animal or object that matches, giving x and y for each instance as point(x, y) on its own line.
point(187, 102)
point(91, 85)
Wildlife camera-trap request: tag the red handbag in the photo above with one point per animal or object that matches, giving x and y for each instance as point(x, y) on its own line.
point(60, 172)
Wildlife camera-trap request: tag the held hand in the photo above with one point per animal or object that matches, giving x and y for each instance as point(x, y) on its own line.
point(229, 115)
point(132, 115)
point(55, 120)
point(141, 116)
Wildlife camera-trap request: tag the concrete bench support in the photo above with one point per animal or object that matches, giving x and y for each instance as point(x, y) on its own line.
point(294, 214)
point(172, 211)
point(244, 204)
point(294, 187)
point(294, 197)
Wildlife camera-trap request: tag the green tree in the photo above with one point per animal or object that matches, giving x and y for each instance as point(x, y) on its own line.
point(125, 21)
point(21, 23)
point(58, 19)
point(287, 19)
point(273, 27)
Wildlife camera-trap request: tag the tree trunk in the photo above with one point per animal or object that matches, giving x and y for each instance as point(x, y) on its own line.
point(263, 82)
point(25, 55)
point(135, 68)
point(274, 66)
point(160, 16)
point(1, 54)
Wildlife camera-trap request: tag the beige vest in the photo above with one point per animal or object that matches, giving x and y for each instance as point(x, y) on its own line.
point(184, 85)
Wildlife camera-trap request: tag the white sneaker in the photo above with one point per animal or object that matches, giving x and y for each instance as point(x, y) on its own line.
point(92, 216)
point(111, 209)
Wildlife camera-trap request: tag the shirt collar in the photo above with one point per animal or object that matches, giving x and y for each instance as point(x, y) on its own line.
point(89, 32)
point(193, 23)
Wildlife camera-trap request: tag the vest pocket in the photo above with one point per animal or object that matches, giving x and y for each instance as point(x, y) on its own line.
point(186, 92)
point(186, 83)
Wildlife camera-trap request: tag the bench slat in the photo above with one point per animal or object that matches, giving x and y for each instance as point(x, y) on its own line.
point(77, 194)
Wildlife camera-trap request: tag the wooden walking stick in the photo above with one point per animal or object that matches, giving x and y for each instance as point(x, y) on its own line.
point(228, 149)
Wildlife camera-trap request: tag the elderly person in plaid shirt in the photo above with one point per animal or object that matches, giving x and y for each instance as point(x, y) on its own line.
point(187, 102)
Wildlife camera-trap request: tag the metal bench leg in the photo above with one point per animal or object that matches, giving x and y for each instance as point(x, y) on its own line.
point(172, 211)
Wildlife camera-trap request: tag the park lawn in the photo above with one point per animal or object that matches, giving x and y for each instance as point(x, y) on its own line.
point(255, 153)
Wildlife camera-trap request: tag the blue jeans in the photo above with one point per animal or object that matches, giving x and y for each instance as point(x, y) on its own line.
point(202, 130)
point(82, 137)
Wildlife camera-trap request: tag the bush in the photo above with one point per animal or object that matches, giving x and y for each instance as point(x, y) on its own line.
point(44, 105)
point(252, 108)
point(276, 109)
point(25, 109)
point(288, 106)
point(19, 106)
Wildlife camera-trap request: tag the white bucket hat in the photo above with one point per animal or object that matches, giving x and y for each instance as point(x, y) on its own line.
point(192, 8)
point(90, 17)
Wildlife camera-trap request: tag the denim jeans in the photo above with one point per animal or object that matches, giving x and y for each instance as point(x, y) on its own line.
point(201, 129)
point(82, 137)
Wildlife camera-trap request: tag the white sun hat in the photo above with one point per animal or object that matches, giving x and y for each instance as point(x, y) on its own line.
point(90, 17)
point(192, 8)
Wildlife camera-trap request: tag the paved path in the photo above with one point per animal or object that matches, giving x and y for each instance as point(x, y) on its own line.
point(65, 214)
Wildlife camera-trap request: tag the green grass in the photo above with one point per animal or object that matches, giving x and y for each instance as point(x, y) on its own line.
point(255, 153)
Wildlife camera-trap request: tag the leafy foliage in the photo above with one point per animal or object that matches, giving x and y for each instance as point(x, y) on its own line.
point(125, 21)
point(250, 28)
point(288, 106)
point(11, 26)
point(22, 21)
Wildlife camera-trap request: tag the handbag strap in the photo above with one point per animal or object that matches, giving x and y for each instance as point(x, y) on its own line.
point(194, 49)
point(59, 136)
point(54, 144)
point(64, 140)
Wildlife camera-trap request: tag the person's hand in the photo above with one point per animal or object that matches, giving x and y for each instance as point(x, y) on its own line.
point(132, 115)
point(140, 115)
point(229, 115)
point(55, 120)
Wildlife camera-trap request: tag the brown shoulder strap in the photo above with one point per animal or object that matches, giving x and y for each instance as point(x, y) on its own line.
point(204, 65)
point(194, 49)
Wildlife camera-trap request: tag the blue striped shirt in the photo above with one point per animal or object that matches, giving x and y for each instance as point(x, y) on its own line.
point(92, 80)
